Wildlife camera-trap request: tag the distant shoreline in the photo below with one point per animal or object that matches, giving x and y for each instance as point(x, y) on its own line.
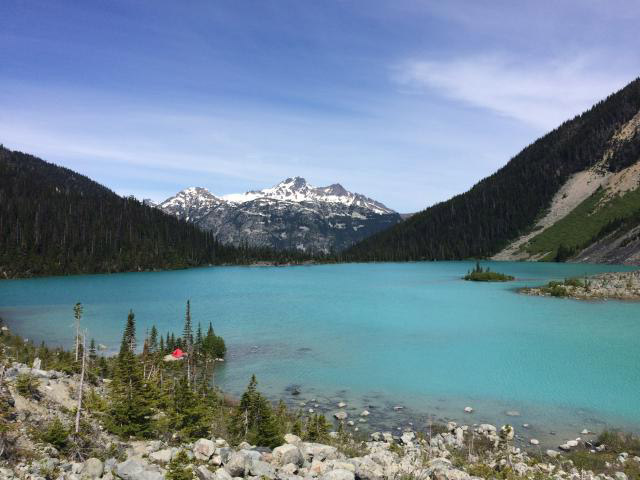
point(603, 286)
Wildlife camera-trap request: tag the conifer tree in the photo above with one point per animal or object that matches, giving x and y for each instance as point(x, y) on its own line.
point(153, 339)
point(92, 351)
point(254, 420)
point(131, 398)
point(187, 333)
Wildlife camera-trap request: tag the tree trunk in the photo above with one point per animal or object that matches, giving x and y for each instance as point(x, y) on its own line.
point(80, 388)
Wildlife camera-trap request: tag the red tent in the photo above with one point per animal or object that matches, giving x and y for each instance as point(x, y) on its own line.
point(177, 353)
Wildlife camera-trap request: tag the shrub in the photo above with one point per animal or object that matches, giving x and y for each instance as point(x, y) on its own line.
point(27, 385)
point(56, 434)
point(178, 469)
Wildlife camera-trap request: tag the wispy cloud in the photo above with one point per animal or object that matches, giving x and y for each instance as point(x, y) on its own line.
point(541, 94)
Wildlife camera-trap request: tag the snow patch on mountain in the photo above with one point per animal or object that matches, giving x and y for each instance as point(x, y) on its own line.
point(291, 214)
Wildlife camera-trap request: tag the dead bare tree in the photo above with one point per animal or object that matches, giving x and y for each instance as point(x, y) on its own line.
point(77, 313)
point(81, 386)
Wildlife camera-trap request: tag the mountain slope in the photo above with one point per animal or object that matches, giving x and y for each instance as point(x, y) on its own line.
point(508, 204)
point(56, 221)
point(290, 215)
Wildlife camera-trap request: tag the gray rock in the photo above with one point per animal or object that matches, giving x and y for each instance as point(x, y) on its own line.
point(162, 456)
point(110, 464)
point(221, 474)
point(137, 469)
point(262, 469)
point(236, 465)
point(203, 449)
point(338, 474)
point(367, 469)
point(287, 454)
point(552, 453)
point(203, 473)
point(408, 437)
point(341, 415)
point(290, 438)
point(620, 476)
point(318, 451)
point(93, 468)
point(225, 453)
point(288, 469)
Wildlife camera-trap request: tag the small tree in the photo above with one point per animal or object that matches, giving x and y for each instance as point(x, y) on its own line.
point(131, 397)
point(77, 314)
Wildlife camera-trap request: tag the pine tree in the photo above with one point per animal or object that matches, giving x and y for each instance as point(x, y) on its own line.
point(131, 398)
point(153, 339)
point(198, 340)
point(187, 333)
point(92, 351)
point(190, 416)
point(254, 420)
point(129, 336)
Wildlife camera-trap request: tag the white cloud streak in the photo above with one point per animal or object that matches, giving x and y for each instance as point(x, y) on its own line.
point(542, 94)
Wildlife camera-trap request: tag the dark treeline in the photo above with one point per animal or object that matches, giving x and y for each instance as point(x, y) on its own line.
point(54, 221)
point(498, 209)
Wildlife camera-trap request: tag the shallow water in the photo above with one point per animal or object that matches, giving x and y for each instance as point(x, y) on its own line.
point(379, 335)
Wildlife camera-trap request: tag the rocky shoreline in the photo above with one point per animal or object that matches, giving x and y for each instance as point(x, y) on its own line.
point(615, 286)
point(445, 452)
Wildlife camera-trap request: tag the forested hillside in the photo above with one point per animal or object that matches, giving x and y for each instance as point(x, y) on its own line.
point(500, 208)
point(55, 221)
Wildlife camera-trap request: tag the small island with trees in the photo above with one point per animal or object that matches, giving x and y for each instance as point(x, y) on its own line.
point(479, 274)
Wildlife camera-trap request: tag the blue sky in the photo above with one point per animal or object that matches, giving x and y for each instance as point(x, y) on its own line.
point(407, 102)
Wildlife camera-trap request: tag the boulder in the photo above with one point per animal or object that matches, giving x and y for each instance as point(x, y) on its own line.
point(318, 451)
point(367, 469)
point(534, 441)
point(293, 439)
point(552, 453)
point(365, 413)
point(288, 469)
point(237, 464)
point(342, 405)
point(487, 428)
point(137, 469)
point(203, 473)
point(468, 410)
point(203, 449)
point(341, 415)
point(261, 469)
point(221, 474)
point(408, 437)
point(287, 454)
point(161, 456)
point(93, 468)
point(338, 474)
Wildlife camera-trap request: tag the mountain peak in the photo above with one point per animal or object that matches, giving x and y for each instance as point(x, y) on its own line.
point(336, 189)
point(294, 182)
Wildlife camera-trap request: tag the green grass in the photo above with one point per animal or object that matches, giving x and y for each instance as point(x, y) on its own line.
point(584, 224)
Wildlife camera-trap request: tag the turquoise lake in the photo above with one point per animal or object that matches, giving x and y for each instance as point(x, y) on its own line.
point(377, 336)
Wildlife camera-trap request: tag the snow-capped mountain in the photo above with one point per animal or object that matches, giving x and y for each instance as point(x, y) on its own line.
point(292, 214)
